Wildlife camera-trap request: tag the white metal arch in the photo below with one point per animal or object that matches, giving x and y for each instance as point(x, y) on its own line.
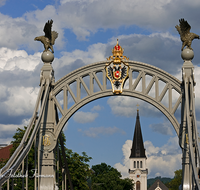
point(90, 70)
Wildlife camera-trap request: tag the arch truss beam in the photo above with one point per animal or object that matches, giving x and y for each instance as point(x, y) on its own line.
point(88, 83)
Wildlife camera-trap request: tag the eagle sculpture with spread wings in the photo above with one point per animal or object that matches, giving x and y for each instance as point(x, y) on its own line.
point(49, 38)
point(185, 34)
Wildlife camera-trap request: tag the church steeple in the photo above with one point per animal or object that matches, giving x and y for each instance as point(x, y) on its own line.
point(137, 150)
point(138, 170)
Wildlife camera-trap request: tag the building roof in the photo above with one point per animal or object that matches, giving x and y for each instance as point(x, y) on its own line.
point(158, 185)
point(137, 150)
point(5, 152)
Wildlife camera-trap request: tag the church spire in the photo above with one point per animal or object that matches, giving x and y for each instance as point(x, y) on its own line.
point(137, 150)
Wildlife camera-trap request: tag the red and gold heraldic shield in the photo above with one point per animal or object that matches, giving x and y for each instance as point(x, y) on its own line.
point(117, 70)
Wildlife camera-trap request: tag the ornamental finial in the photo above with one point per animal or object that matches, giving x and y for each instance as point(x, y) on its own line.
point(138, 107)
point(117, 52)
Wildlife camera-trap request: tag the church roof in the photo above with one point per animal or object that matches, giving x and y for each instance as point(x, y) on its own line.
point(137, 150)
point(158, 185)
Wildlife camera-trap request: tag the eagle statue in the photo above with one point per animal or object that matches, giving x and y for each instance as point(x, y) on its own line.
point(185, 34)
point(49, 38)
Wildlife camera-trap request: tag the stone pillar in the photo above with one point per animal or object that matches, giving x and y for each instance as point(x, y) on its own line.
point(187, 71)
point(47, 141)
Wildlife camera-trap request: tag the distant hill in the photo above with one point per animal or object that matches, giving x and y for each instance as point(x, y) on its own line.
point(163, 179)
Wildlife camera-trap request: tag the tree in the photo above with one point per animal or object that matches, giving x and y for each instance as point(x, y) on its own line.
point(107, 177)
point(78, 168)
point(176, 182)
point(77, 164)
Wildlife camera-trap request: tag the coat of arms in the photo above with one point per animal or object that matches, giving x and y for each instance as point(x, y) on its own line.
point(117, 69)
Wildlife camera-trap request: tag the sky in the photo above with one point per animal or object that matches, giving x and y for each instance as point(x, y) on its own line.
point(88, 29)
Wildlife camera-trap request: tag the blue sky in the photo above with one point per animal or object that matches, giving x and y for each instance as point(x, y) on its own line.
point(88, 29)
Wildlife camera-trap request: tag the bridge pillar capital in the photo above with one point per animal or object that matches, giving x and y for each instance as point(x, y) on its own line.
point(47, 71)
point(187, 68)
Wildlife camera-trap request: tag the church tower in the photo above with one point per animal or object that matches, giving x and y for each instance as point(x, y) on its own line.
point(138, 171)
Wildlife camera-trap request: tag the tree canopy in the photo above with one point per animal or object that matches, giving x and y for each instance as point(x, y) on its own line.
point(107, 177)
point(78, 168)
point(176, 182)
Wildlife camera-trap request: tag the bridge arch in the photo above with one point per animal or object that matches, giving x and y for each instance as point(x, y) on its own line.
point(143, 69)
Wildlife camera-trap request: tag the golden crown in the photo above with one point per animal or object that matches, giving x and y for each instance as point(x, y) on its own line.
point(117, 56)
point(117, 50)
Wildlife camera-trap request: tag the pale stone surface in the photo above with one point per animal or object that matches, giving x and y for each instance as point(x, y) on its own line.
point(47, 57)
point(187, 54)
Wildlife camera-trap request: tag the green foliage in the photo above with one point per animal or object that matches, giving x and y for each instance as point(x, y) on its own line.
point(150, 181)
point(176, 182)
point(107, 177)
point(78, 169)
point(77, 164)
point(3, 162)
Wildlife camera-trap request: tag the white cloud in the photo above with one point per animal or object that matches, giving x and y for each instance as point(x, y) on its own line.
point(139, 44)
point(163, 128)
point(79, 58)
point(7, 131)
point(15, 32)
point(127, 106)
point(86, 17)
point(18, 59)
point(21, 101)
point(94, 53)
point(97, 108)
point(21, 31)
point(19, 84)
point(96, 131)
point(66, 1)
point(168, 156)
point(2, 2)
point(5, 140)
point(163, 160)
point(85, 117)
point(125, 166)
point(65, 127)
